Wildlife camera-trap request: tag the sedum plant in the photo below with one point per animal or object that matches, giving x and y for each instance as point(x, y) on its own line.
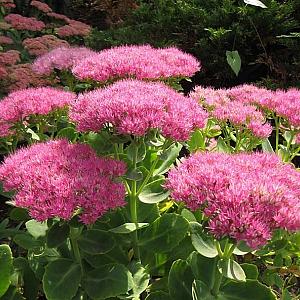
point(109, 207)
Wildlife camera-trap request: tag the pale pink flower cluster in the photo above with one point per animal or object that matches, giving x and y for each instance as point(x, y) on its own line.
point(240, 113)
point(56, 178)
point(23, 23)
point(7, 3)
point(284, 103)
point(141, 62)
point(10, 57)
point(43, 44)
point(62, 58)
point(135, 107)
point(5, 40)
point(43, 7)
point(74, 28)
point(245, 196)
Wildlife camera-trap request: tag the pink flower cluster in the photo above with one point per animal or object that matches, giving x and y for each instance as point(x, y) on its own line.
point(7, 3)
point(284, 103)
point(245, 196)
point(56, 178)
point(10, 57)
point(141, 62)
point(23, 23)
point(20, 105)
point(58, 16)
point(237, 111)
point(135, 107)
point(62, 58)
point(43, 7)
point(5, 40)
point(43, 44)
point(74, 28)
point(22, 76)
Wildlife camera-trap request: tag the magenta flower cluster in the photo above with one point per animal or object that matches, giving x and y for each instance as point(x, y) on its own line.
point(61, 58)
point(55, 179)
point(135, 107)
point(240, 113)
point(140, 62)
point(20, 105)
point(245, 196)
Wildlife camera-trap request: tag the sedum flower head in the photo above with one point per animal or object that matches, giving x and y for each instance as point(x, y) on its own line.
point(20, 105)
point(43, 7)
point(135, 107)
point(43, 44)
point(245, 196)
point(23, 23)
point(61, 58)
point(237, 110)
point(141, 62)
point(56, 178)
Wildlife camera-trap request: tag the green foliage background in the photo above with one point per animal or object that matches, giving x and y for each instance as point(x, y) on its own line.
point(208, 28)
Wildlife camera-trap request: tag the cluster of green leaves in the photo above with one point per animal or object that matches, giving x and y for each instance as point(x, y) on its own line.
point(208, 29)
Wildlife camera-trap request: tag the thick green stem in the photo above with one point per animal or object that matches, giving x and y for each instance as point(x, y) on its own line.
point(217, 282)
point(152, 169)
point(277, 134)
point(133, 208)
point(75, 248)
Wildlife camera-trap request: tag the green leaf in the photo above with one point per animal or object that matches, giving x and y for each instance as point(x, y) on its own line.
point(57, 234)
point(128, 227)
point(222, 146)
point(250, 270)
point(255, 3)
point(231, 269)
point(168, 157)
point(61, 279)
point(188, 215)
point(141, 151)
point(134, 175)
point(249, 290)
point(164, 233)
point(197, 141)
point(12, 294)
point(158, 295)
point(153, 192)
point(19, 214)
point(96, 241)
point(68, 132)
point(141, 279)
point(108, 281)
point(200, 291)
point(286, 295)
point(234, 61)
point(266, 146)
point(180, 280)
point(26, 241)
point(6, 263)
point(36, 229)
point(31, 283)
point(203, 268)
point(203, 243)
point(34, 136)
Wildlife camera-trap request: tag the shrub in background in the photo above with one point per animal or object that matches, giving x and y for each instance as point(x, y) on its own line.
point(208, 29)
